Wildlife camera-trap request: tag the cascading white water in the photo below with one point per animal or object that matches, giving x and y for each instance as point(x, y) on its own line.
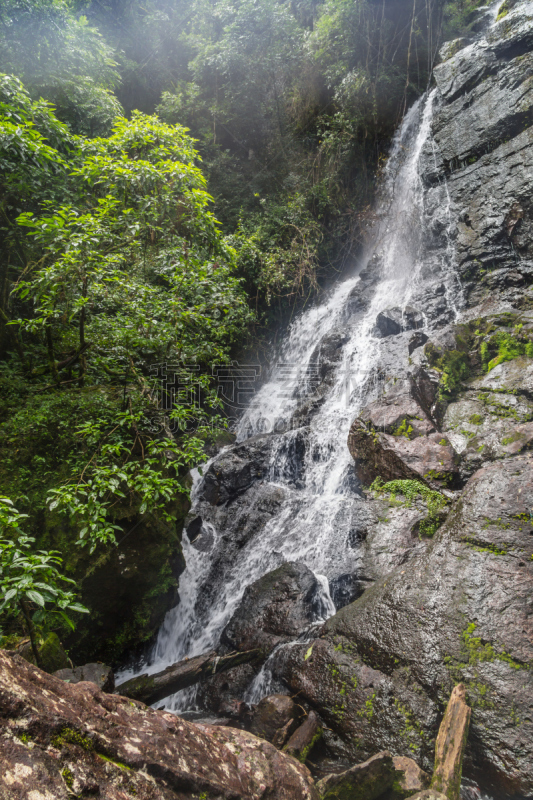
point(315, 521)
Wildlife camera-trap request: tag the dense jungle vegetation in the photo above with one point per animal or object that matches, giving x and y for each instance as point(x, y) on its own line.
point(177, 177)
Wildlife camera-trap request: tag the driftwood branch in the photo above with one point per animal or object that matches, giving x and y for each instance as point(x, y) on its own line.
point(152, 688)
point(450, 746)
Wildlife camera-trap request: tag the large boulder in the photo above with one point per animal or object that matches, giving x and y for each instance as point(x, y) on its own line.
point(396, 436)
point(97, 673)
point(235, 470)
point(395, 320)
point(430, 458)
point(60, 740)
point(272, 714)
point(274, 609)
point(460, 610)
point(365, 781)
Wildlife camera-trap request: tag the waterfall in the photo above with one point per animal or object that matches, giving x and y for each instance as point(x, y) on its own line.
point(319, 511)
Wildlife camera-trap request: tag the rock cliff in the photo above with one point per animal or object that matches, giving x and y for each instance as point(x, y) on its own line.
point(455, 604)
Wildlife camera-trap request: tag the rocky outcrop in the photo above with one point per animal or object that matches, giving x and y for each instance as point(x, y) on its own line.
point(492, 418)
point(396, 438)
point(363, 782)
point(99, 674)
point(59, 740)
point(482, 128)
point(460, 610)
point(273, 610)
point(235, 471)
point(430, 458)
point(395, 320)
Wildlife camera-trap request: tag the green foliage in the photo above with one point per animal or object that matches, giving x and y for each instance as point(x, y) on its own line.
point(411, 490)
point(71, 736)
point(503, 10)
point(130, 271)
point(29, 579)
point(509, 346)
point(60, 58)
point(454, 366)
point(404, 429)
point(459, 16)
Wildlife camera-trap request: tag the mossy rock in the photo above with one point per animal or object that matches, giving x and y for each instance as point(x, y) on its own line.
point(51, 653)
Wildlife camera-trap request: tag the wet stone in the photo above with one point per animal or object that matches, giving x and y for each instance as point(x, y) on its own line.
point(395, 320)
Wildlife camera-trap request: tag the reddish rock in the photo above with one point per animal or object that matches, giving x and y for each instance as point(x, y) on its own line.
point(273, 713)
point(60, 740)
point(409, 779)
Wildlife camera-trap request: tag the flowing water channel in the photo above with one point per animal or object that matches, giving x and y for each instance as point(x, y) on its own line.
point(316, 523)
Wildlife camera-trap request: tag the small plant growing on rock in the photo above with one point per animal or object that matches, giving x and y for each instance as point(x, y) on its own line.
point(404, 429)
point(411, 490)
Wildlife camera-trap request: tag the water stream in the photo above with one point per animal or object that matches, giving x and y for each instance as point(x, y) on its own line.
point(317, 519)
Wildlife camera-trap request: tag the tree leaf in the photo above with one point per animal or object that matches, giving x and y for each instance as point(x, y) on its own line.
point(36, 597)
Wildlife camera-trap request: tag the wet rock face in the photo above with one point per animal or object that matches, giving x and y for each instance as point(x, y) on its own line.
point(395, 437)
point(431, 457)
point(274, 609)
point(395, 320)
point(459, 611)
point(483, 131)
point(59, 740)
point(233, 472)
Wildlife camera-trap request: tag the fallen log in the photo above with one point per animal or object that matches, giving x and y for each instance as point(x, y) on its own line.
point(152, 688)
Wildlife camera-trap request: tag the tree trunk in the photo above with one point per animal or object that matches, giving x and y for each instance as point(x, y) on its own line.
point(31, 632)
point(51, 357)
point(151, 688)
